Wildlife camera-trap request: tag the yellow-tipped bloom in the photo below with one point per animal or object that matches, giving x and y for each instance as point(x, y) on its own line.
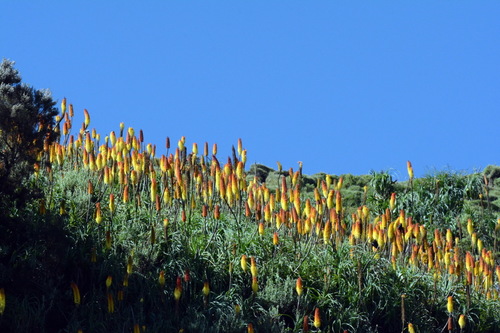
point(87, 118)
point(111, 303)
point(161, 279)
point(410, 169)
point(206, 288)
point(76, 294)
point(298, 286)
point(255, 285)
point(411, 329)
point(253, 266)
point(243, 262)
point(317, 318)
point(449, 306)
point(109, 281)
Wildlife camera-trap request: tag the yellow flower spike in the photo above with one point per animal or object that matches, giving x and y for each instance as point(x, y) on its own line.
point(243, 262)
point(275, 239)
point(130, 261)
point(86, 118)
point(161, 279)
point(255, 285)
point(479, 245)
point(98, 213)
point(253, 266)
point(261, 228)
point(449, 305)
point(206, 289)
point(109, 281)
point(317, 318)
point(411, 329)
point(237, 309)
point(137, 328)
point(409, 167)
point(470, 227)
point(327, 232)
point(74, 288)
point(330, 198)
point(111, 303)
point(240, 146)
point(392, 202)
point(461, 321)
point(63, 106)
point(298, 286)
point(214, 149)
point(338, 201)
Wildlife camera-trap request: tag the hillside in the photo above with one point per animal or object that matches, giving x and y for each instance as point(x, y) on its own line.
point(119, 238)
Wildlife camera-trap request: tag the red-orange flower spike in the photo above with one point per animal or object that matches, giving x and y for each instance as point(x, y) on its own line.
point(298, 286)
point(250, 328)
point(305, 325)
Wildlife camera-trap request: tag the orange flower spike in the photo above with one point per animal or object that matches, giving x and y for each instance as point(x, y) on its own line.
point(250, 328)
point(409, 167)
point(449, 305)
point(161, 279)
point(317, 318)
point(243, 262)
point(137, 328)
point(63, 106)
point(76, 295)
point(214, 149)
point(338, 202)
point(253, 266)
point(112, 206)
point(217, 212)
point(298, 286)
point(87, 118)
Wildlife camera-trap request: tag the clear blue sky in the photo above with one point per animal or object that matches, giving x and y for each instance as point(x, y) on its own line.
point(343, 86)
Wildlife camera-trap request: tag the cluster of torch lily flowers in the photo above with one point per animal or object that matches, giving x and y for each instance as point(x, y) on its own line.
point(180, 183)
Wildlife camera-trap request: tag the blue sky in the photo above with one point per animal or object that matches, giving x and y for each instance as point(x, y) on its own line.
point(343, 86)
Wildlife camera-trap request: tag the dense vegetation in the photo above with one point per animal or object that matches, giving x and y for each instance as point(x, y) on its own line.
point(117, 237)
